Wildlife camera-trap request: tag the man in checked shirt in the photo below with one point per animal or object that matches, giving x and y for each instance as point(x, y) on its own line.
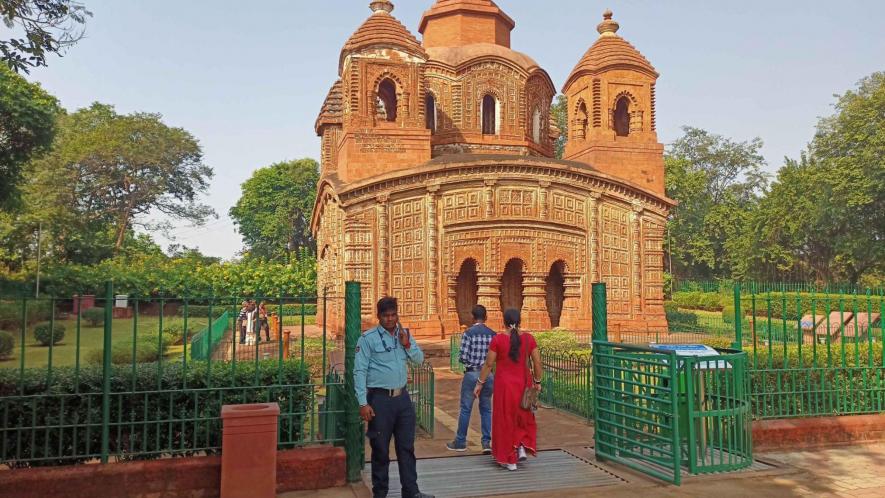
point(474, 348)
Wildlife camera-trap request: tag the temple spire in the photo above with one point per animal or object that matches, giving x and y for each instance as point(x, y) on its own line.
point(378, 6)
point(607, 27)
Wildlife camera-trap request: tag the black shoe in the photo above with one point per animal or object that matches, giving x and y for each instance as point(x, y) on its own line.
point(486, 448)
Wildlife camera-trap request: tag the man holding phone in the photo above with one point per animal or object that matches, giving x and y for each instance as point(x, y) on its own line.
point(380, 378)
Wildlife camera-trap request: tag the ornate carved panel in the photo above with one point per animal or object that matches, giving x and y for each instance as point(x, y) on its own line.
point(462, 206)
point(653, 261)
point(569, 209)
point(408, 256)
point(516, 202)
point(614, 261)
point(359, 255)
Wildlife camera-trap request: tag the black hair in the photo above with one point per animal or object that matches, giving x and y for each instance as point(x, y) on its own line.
point(386, 304)
point(479, 312)
point(511, 321)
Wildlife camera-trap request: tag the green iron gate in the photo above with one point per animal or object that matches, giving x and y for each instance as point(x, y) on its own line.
point(664, 413)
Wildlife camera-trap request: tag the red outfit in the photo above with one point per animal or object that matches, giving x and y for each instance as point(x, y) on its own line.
point(511, 425)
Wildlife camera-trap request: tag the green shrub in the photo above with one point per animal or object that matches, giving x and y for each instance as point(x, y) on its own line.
point(175, 332)
point(191, 394)
point(728, 314)
point(93, 316)
point(791, 305)
point(11, 312)
point(682, 321)
point(148, 349)
point(7, 343)
point(558, 341)
point(46, 334)
point(289, 310)
point(670, 307)
point(696, 300)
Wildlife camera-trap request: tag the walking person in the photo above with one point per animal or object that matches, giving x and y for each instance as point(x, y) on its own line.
point(474, 348)
point(380, 378)
point(514, 431)
point(241, 321)
point(263, 323)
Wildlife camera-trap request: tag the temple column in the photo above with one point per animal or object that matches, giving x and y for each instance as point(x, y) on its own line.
point(571, 304)
point(636, 256)
point(593, 235)
point(490, 198)
point(383, 246)
point(433, 256)
point(489, 295)
point(534, 304)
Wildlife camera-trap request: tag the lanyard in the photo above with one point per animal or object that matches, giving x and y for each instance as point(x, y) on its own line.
point(384, 343)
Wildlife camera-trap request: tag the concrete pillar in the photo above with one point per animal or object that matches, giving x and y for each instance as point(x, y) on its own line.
point(249, 450)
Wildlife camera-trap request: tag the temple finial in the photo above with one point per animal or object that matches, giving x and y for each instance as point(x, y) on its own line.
point(381, 6)
point(607, 27)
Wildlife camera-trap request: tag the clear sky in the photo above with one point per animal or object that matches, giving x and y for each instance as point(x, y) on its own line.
point(248, 78)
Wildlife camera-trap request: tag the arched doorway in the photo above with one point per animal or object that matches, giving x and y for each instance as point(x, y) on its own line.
point(622, 117)
point(554, 290)
point(387, 101)
point(467, 288)
point(511, 285)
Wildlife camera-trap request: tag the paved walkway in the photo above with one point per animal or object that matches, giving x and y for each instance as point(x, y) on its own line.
point(856, 471)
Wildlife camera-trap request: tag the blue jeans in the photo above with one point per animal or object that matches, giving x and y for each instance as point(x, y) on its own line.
point(468, 383)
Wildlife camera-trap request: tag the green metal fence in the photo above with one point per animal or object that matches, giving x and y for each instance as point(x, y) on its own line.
point(422, 391)
point(121, 383)
point(455, 353)
point(203, 344)
point(567, 383)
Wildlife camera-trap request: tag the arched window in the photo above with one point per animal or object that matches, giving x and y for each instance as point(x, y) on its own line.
point(622, 117)
point(467, 288)
point(536, 126)
point(581, 119)
point(386, 104)
point(512, 285)
point(489, 115)
point(554, 290)
point(430, 113)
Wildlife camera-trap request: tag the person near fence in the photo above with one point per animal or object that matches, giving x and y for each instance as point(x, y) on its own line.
point(241, 321)
point(514, 431)
point(263, 323)
point(380, 378)
point(474, 348)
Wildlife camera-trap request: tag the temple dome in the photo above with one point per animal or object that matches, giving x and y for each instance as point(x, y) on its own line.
point(459, 56)
point(382, 30)
point(332, 110)
point(610, 51)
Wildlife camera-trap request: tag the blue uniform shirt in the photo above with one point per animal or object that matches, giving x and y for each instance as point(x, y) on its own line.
point(381, 361)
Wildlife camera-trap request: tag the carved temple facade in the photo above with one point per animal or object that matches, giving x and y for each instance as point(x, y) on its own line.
point(439, 186)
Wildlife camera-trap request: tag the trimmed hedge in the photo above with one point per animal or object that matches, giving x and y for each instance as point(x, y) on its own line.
point(47, 333)
point(47, 407)
point(11, 313)
point(696, 300)
point(288, 310)
point(791, 310)
point(7, 343)
point(93, 316)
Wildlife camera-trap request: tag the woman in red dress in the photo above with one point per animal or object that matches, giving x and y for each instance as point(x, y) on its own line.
point(514, 431)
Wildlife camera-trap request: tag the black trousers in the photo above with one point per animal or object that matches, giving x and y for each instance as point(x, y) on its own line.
point(393, 417)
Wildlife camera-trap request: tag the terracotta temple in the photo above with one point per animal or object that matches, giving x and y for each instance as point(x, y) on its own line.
point(439, 185)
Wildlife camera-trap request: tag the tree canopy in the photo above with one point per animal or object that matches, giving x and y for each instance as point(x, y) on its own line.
point(27, 127)
point(274, 210)
point(44, 27)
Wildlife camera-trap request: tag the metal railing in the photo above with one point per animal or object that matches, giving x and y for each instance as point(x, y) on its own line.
point(121, 384)
point(422, 391)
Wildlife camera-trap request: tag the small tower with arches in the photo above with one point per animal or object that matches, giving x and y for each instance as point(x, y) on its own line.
point(611, 98)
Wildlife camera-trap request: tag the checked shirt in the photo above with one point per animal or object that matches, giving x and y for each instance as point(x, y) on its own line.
point(475, 345)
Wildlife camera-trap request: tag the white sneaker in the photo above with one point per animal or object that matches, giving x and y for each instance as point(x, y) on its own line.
point(509, 466)
point(522, 455)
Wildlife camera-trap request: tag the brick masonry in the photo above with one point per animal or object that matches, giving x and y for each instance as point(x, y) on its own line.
point(795, 433)
point(193, 477)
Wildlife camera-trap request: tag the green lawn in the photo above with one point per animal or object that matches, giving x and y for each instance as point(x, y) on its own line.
point(92, 338)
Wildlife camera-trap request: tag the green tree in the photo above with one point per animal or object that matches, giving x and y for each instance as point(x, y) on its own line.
point(48, 26)
point(274, 210)
point(717, 182)
point(825, 215)
point(559, 112)
point(27, 125)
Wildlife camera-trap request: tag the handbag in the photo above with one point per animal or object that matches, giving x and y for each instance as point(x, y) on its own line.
point(529, 399)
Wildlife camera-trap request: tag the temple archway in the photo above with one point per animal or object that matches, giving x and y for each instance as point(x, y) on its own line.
point(511, 285)
point(554, 290)
point(467, 290)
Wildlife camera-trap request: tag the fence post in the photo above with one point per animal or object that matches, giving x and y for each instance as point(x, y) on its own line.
point(353, 436)
point(600, 313)
point(738, 319)
point(106, 371)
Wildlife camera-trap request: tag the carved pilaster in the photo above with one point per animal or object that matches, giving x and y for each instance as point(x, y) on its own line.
point(489, 290)
point(572, 293)
point(545, 191)
point(383, 245)
point(432, 242)
point(593, 221)
point(534, 292)
point(490, 198)
point(636, 256)
point(452, 287)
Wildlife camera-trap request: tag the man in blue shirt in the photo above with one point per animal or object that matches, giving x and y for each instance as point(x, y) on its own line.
point(474, 348)
point(380, 377)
